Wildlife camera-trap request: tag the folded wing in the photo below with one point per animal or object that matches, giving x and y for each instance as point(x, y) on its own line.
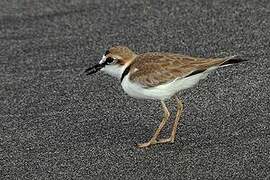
point(153, 69)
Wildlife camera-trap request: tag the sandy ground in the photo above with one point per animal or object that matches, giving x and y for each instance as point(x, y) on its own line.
point(57, 123)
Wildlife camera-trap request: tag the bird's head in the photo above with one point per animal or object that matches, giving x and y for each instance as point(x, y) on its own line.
point(114, 61)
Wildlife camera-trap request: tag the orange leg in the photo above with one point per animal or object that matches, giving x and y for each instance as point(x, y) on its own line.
point(180, 108)
point(161, 125)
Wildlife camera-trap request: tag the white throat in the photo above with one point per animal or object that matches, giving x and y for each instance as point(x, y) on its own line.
point(115, 70)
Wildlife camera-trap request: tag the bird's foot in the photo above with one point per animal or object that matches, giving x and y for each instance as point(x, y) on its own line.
point(147, 144)
point(152, 142)
point(167, 140)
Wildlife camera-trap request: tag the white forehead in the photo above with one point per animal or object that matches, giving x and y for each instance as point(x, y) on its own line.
point(103, 59)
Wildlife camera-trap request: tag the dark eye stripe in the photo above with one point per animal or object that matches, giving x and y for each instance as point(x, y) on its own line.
point(109, 59)
point(107, 52)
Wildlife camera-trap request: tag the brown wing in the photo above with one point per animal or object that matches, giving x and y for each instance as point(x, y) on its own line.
point(152, 69)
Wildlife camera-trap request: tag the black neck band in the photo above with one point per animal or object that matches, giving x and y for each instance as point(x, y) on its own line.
point(126, 71)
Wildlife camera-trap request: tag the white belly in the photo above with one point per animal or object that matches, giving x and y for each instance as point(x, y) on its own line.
point(164, 91)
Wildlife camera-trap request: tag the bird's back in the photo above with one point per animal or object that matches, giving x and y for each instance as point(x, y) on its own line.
point(153, 69)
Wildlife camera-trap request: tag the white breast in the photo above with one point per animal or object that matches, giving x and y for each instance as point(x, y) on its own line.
point(164, 91)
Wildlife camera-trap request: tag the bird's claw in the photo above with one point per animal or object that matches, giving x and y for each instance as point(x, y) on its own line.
point(147, 144)
point(152, 142)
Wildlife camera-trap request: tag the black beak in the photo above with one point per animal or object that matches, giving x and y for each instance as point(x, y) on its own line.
point(94, 69)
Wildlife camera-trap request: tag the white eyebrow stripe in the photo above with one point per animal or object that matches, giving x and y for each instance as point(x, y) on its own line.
point(103, 59)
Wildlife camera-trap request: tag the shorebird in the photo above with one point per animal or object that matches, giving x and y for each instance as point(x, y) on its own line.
point(156, 75)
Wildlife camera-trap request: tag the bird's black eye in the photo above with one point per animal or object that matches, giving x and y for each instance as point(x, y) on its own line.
point(107, 52)
point(109, 60)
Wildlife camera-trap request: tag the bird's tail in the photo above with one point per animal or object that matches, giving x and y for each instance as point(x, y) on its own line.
point(232, 60)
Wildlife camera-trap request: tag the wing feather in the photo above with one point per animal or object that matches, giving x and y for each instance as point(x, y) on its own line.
point(152, 69)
